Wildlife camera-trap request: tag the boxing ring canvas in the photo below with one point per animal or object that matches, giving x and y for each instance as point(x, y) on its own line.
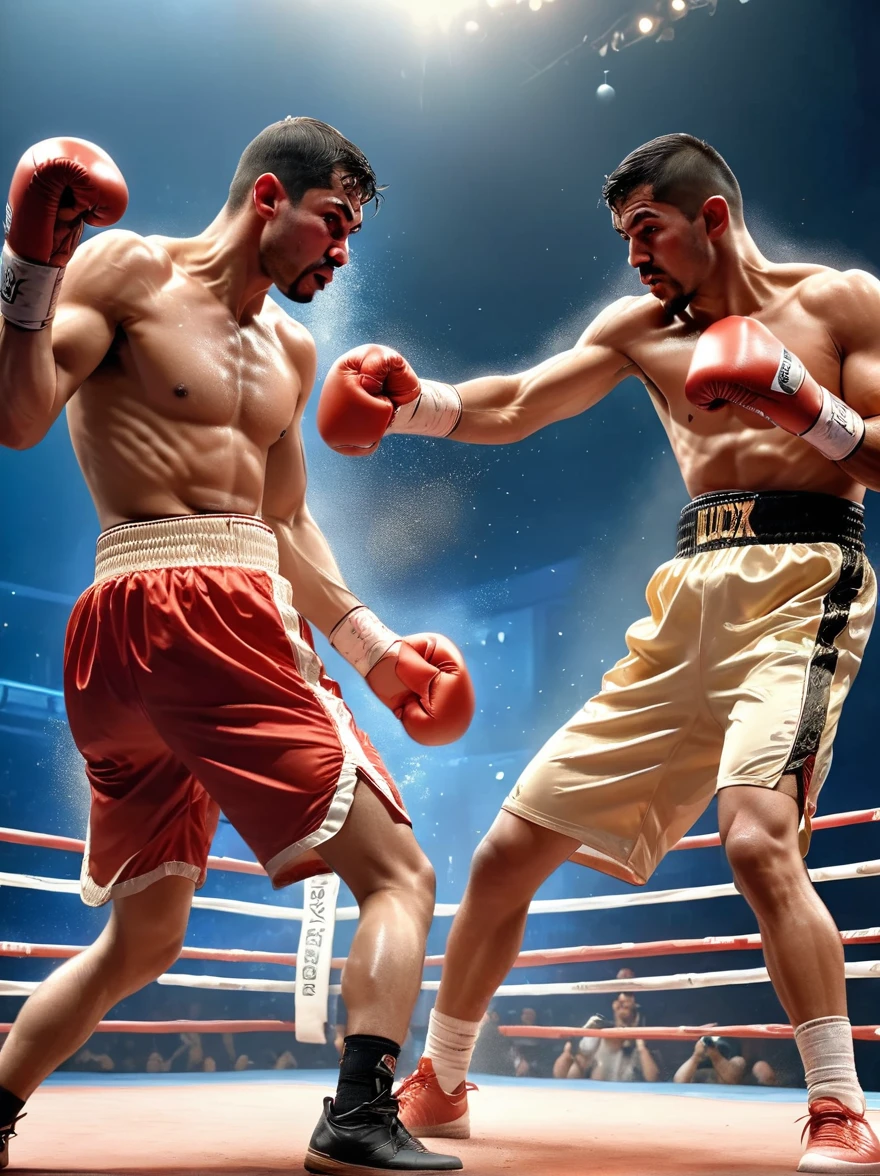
point(259, 1124)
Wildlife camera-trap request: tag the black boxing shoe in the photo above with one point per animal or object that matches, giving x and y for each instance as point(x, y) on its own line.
point(6, 1133)
point(370, 1139)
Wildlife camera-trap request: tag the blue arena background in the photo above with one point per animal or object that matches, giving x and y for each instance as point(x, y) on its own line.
point(492, 251)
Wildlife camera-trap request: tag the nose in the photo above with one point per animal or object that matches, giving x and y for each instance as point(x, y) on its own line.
point(338, 253)
point(638, 254)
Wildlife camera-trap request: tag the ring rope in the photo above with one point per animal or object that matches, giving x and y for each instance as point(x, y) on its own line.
point(862, 970)
point(671, 1032)
point(645, 1033)
point(602, 902)
point(241, 866)
point(533, 958)
point(185, 1027)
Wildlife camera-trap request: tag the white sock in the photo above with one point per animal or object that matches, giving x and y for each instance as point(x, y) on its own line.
point(826, 1048)
point(450, 1045)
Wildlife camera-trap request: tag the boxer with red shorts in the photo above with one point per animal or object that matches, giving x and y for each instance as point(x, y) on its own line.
point(191, 682)
point(766, 378)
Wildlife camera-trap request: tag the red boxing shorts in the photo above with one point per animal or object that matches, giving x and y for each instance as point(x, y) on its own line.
point(192, 687)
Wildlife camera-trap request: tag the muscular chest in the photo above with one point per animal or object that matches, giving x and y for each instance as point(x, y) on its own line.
point(185, 357)
point(665, 358)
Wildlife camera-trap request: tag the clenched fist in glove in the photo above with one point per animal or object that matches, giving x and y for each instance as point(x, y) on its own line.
point(372, 391)
point(422, 679)
point(740, 361)
point(59, 186)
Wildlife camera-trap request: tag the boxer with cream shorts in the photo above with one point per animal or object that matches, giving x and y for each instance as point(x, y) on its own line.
point(766, 378)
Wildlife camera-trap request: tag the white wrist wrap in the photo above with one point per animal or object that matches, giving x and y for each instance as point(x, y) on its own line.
point(28, 292)
point(434, 413)
point(362, 639)
point(838, 431)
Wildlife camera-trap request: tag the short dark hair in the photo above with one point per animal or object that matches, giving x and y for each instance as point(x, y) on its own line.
point(680, 170)
point(302, 153)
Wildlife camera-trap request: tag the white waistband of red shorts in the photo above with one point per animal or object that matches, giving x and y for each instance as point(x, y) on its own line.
point(186, 541)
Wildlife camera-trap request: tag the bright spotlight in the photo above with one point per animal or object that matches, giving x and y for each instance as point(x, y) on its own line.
point(428, 14)
point(536, 5)
point(471, 27)
point(646, 25)
point(679, 5)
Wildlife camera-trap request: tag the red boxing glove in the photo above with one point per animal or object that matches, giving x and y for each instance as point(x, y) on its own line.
point(372, 391)
point(422, 679)
point(359, 397)
point(425, 682)
point(59, 186)
point(740, 361)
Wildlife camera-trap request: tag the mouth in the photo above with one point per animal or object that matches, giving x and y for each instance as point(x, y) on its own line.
point(652, 279)
point(323, 280)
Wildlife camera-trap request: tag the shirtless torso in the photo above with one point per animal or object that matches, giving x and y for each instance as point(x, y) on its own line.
point(826, 317)
point(733, 447)
point(182, 409)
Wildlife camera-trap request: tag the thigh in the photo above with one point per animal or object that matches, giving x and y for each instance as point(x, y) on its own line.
point(244, 702)
point(791, 627)
point(517, 856)
point(158, 915)
point(632, 770)
point(149, 816)
point(375, 847)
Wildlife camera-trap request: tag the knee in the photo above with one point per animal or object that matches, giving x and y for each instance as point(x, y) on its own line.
point(422, 884)
point(414, 877)
point(763, 862)
point(495, 867)
point(145, 957)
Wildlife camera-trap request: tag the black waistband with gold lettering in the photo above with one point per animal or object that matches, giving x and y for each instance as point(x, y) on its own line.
point(732, 518)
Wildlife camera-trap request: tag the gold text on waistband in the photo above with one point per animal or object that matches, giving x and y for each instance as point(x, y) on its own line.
point(728, 520)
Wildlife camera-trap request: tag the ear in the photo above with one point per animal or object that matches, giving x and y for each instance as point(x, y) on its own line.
point(267, 196)
point(716, 217)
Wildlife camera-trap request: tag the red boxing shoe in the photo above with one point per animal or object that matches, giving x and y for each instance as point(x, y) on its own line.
point(424, 1104)
point(840, 1141)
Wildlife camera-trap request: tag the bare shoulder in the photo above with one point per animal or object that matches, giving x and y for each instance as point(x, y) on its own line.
point(296, 339)
point(115, 265)
point(833, 290)
point(116, 247)
point(622, 321)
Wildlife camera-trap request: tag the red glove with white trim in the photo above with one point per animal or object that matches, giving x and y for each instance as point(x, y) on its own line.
point(373, 390)
point(59, 186)
point(423, 679)
point(740, 361)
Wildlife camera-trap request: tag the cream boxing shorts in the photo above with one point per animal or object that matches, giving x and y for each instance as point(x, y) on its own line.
point(756, 631)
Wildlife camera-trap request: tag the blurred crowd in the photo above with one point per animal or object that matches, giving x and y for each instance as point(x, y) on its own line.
point(625, 1058)
point(711, 1059)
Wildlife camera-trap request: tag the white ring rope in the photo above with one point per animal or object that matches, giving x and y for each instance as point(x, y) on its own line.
point(694, 980)
point(863, 970)
point(602, 902)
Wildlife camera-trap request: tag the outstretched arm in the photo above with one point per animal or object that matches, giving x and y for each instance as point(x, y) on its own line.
point(373, 391)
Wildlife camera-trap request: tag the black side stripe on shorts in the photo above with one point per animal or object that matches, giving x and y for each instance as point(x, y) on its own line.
point(823, 663)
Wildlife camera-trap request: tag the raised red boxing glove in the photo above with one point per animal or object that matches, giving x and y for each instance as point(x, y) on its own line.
point(59, 186)
point(425, 682)
point(422, 679)
point(371, 391)
point(740, 361)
